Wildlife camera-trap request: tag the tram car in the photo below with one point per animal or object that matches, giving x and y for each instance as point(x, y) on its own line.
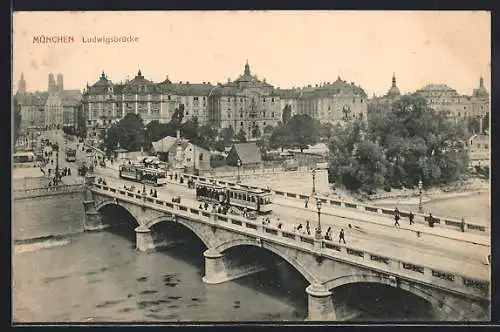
point(251, 199)
point(140, 173)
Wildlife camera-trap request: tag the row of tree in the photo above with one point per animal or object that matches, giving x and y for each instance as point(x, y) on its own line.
point(407, 143)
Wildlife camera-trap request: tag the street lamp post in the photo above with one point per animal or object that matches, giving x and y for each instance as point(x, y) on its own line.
point(144, 143)
point(318, 229)
point(57, 162)
point(314, 181)
point(420, 209)
point(239, 165)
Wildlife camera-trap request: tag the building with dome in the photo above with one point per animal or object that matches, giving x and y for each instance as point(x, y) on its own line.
point(441, 97)
point(247, 103)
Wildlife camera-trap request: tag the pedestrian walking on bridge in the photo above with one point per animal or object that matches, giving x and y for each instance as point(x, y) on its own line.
point(411, 216)
point(341, 236)
point(396, 220)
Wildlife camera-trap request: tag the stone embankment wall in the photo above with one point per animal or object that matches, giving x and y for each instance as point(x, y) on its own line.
point(47, 212)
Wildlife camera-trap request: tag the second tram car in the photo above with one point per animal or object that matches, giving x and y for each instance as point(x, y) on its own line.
point(252, 199)
point(139, 173)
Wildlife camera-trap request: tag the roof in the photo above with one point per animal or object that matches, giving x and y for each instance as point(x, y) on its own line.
point(437, 88)
point(248, 153)
point(164, 144)
point(70, 97)
point(32, 99)
point(101, 86)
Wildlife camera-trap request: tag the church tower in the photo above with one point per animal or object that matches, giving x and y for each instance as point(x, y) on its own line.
point(21, 88)
point(60, 85)
point(52, 84)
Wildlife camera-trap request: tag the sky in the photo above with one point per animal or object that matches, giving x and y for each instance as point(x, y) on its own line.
point(287, 48)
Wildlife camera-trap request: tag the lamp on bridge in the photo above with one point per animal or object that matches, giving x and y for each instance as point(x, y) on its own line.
point(238, 163)
point(318, 229)
point(314, 181)
point(420, 209)
point(144, 141)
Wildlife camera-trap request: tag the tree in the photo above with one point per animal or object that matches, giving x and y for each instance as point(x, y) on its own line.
point(111, 139)
point(178, 115)
point(324, 130)
point(486, 122)
point(303, 131)
point(256, 132)
point(281, 137)
point(130, 132)
point(268, 129)
point(17, 118)
point(241, 136)
point(287, 114)
point(227, 135)
point(401, 145)
point(81, 122)
point(473, 125)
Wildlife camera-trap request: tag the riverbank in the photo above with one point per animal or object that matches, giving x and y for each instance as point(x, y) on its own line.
point(469, 199)
point(459, 189)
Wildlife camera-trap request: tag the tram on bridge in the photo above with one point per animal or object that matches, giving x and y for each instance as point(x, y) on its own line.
point(145, 171)
point(70, 155)
point(251, 199)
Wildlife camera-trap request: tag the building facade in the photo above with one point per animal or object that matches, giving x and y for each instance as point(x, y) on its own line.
point(52, 108)
point(247, 103)
point(442, 98)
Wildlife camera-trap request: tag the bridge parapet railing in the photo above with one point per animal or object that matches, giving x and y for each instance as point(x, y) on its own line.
point(47, 191)
point(419, 217)
point(436, 276)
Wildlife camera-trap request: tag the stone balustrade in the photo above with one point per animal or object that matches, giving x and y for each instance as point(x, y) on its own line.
point(323, 249)
point(47, 191)
point(419, 217)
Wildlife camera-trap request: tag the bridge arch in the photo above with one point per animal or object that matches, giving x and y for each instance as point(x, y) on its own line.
point(255, 243)
point(99, 208)
point(431, 298)
point(165, 218)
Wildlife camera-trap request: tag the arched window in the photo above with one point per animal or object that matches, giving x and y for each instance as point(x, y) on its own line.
point(201, 157)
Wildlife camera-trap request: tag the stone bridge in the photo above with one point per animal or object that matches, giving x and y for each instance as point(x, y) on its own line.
point(325, 265)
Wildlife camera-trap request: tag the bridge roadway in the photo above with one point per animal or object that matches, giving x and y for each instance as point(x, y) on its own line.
point(442, 253)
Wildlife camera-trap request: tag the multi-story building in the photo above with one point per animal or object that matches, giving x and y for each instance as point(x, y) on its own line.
point(441, 97)
point(333, 102)
point(41, 109)
point(246, 103)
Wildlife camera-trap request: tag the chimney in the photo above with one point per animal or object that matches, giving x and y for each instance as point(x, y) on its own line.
point(178, 134)
point(60, 86)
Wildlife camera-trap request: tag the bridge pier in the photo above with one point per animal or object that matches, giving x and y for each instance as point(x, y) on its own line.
point(215, 270)
point(144, 240)
point(219, 270)
point(320, 303)
point(93, 220)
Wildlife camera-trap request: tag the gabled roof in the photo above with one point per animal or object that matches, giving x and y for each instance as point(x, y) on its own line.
point(248, 153)
point(164, 144)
